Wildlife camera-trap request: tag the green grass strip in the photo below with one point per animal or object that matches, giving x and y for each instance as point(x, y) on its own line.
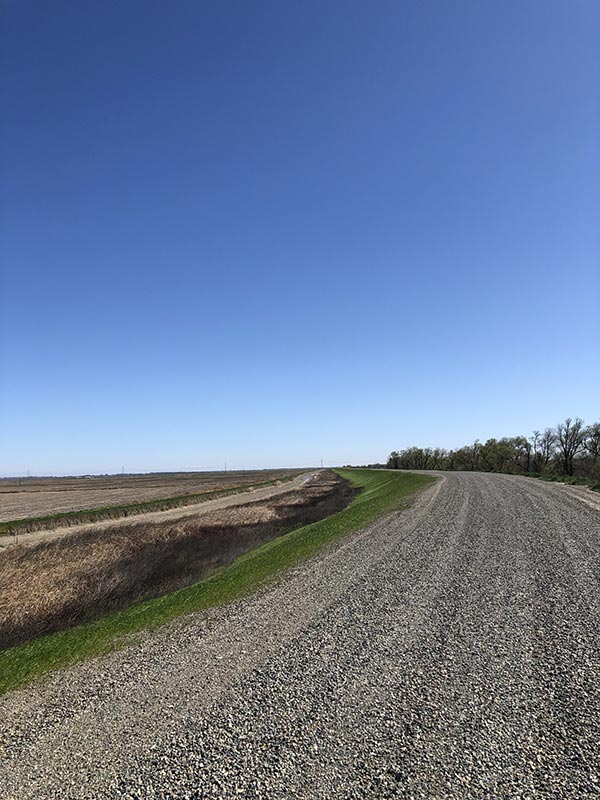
point(570, 480)
point(381, 492)
point(30, 524)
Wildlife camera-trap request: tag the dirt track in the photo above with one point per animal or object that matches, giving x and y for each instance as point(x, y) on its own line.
point(448, 651)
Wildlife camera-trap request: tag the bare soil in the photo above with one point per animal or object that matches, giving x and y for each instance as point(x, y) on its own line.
point(32, 497)
point(251, 494)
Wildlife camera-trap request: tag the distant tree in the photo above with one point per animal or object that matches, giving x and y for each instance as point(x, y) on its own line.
point(393, 461)
point(521, 453)
point(591, 446)
point(547, 445)
point(543, 450)
point(570, 436)
point(462, 458)
point(570, 448)
point(475, 454)
point(451, 459)
point(495, 455)
point(536, 439)
point(438, 458)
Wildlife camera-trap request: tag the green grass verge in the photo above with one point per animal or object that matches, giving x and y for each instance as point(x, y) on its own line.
point(381, 492)
point(29, 524)
point(570, 480)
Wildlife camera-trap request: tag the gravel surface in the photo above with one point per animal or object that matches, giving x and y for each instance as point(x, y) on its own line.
point(449, 651)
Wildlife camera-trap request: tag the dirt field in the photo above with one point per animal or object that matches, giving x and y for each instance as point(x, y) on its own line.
point(60, 581)
point(32, 497)
point(249, 495)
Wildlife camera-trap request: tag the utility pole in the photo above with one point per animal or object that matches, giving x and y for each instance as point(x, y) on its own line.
point(321, 463)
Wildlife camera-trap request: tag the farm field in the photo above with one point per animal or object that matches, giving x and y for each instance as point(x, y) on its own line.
point(33, 497)
point(56, 582)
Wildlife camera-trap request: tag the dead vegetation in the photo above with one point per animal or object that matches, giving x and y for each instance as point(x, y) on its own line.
point(59, 583)
point(36, 497)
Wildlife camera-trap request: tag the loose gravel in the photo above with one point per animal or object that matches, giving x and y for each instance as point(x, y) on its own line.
point(450, 650)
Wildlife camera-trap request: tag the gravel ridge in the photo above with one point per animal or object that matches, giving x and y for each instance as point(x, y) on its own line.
point(450, 650)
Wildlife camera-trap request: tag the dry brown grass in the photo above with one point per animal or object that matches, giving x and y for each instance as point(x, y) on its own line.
point(31, 497)
point(59, 583)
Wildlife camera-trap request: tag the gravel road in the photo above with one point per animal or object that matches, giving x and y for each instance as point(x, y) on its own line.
point(451, 650)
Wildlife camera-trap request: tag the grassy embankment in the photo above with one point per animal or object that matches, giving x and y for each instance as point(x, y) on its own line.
point(380, 492)
point(90, 515)
point(590, 483)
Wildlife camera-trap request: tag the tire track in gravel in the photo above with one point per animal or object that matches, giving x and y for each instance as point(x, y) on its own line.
point(451, 650)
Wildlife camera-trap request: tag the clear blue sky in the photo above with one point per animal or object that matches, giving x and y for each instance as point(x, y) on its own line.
point(274, 232)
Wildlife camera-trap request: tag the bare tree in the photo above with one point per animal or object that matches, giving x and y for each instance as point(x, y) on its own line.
point(536, 441)
point(476, 454)
point(570, 435)
point(547, 443)
point(592, 447)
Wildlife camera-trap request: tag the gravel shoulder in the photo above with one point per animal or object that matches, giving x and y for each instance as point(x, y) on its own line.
point(450, 650)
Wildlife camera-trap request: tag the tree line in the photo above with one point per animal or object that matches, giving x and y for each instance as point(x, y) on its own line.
point(571, 449)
